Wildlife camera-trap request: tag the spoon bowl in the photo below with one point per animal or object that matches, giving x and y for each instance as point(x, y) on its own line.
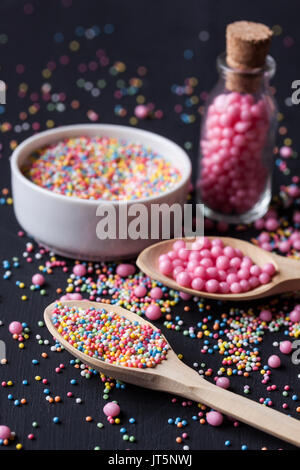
point(286, 278)
point(173, 376)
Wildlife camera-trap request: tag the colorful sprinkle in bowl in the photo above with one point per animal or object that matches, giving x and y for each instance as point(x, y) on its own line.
point(67, 225)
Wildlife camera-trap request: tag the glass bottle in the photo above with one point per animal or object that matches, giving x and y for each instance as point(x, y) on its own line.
point(236, 144)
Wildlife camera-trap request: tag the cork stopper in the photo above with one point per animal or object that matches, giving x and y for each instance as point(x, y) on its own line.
point(247, 46)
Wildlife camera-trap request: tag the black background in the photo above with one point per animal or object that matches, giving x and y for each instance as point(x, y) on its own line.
point(154, 34)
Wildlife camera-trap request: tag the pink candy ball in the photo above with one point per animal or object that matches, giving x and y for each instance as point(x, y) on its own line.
point(264, 278)
point(212, 267)
point(111, 409)
point(125, 270)
point(255, 270)
point(183, 279)
point(38, 279)
point(165, 267)
point(229, 251)
point(296, 217)
point(224, 287)
point(153, 312)
point(263, 237)
point(231, 278)
point(243, 273)
point(296, 245)
point(294, 191)
point(197, 283)
point(156, 293)
point(235, 262)
point(64, 297)
point(254, 282)
point(214, 418)
point(75, 296)
point(5, 432)
point(140, 291)
point(285, 151)
point(212, 286)
point(245, 285)
point(178, 245)
point(236, 288)
point(223, 382)
point(274, 361)
point(15, 328)
point(265, 315)
point(183, 254)
point(79, 270)
point(222, 262)
point(177, 270)
point(259, 224)
point(233, 175)
point(286, 347)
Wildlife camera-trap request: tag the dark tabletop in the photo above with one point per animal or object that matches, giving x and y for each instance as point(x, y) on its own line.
point(159, 35)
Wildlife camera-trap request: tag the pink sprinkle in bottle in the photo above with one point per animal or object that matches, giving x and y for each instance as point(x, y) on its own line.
point(238, 129)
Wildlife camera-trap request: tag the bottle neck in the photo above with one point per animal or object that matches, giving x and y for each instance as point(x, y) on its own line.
point(246, 81)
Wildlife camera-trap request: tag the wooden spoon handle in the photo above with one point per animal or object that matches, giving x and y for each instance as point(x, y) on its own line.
point(288, 276)
point(244, 409)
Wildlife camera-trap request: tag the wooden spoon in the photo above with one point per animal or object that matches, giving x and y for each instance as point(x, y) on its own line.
point(175, 377)
point(286, 279)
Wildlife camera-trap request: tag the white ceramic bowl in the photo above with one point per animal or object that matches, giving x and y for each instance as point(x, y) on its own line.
point(67, 225)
